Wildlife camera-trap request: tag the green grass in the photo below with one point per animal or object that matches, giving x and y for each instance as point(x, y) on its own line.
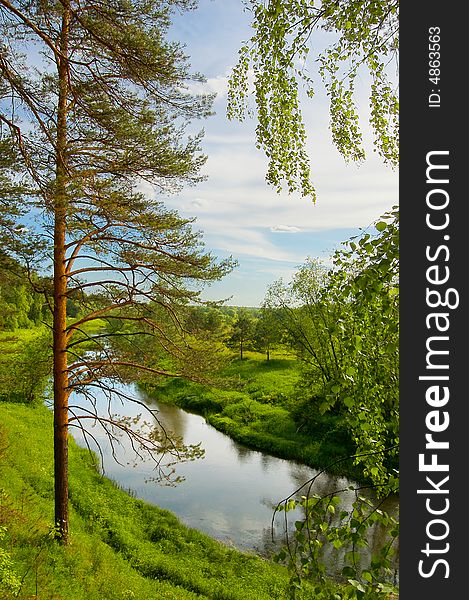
point(121, 547)
point(11, 341)
point(255, 409)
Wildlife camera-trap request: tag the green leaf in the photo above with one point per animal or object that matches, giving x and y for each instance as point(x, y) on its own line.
point(357, 584)
point(348, 401)
point(281, 555)
point(367, 576)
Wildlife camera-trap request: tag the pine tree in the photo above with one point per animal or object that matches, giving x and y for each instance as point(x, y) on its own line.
point(95, 102)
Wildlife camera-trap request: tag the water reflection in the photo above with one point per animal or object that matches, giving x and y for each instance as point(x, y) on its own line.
point(267, 462)
point(172, 418)
point(231, 493)
point(242, 452)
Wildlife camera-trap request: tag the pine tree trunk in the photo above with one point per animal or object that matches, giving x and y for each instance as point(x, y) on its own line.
point(60, 299)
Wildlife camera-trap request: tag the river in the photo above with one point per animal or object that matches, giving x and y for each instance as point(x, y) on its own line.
point(229, 494)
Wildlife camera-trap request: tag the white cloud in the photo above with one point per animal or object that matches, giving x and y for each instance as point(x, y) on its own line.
point(218, 85)
point(213, 85)
point(198, 203)
point(239, 214)
point(285, 229)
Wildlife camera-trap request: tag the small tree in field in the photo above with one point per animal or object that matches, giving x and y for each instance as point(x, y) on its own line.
point(94, 102)
point(267, 331)
point(243, 328)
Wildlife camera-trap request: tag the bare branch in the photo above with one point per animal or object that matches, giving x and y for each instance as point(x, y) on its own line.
point(121, 363)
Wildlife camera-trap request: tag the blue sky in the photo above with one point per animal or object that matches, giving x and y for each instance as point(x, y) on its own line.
point(269, 234)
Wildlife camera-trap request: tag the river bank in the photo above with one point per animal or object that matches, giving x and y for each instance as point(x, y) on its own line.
point(121, 547)
point(230, 493)
point(256, 411)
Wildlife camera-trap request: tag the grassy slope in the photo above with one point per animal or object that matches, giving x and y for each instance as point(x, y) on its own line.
point(121, 547)
point(256, 412)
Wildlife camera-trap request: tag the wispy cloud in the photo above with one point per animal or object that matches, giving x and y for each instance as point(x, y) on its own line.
point(240, 240)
